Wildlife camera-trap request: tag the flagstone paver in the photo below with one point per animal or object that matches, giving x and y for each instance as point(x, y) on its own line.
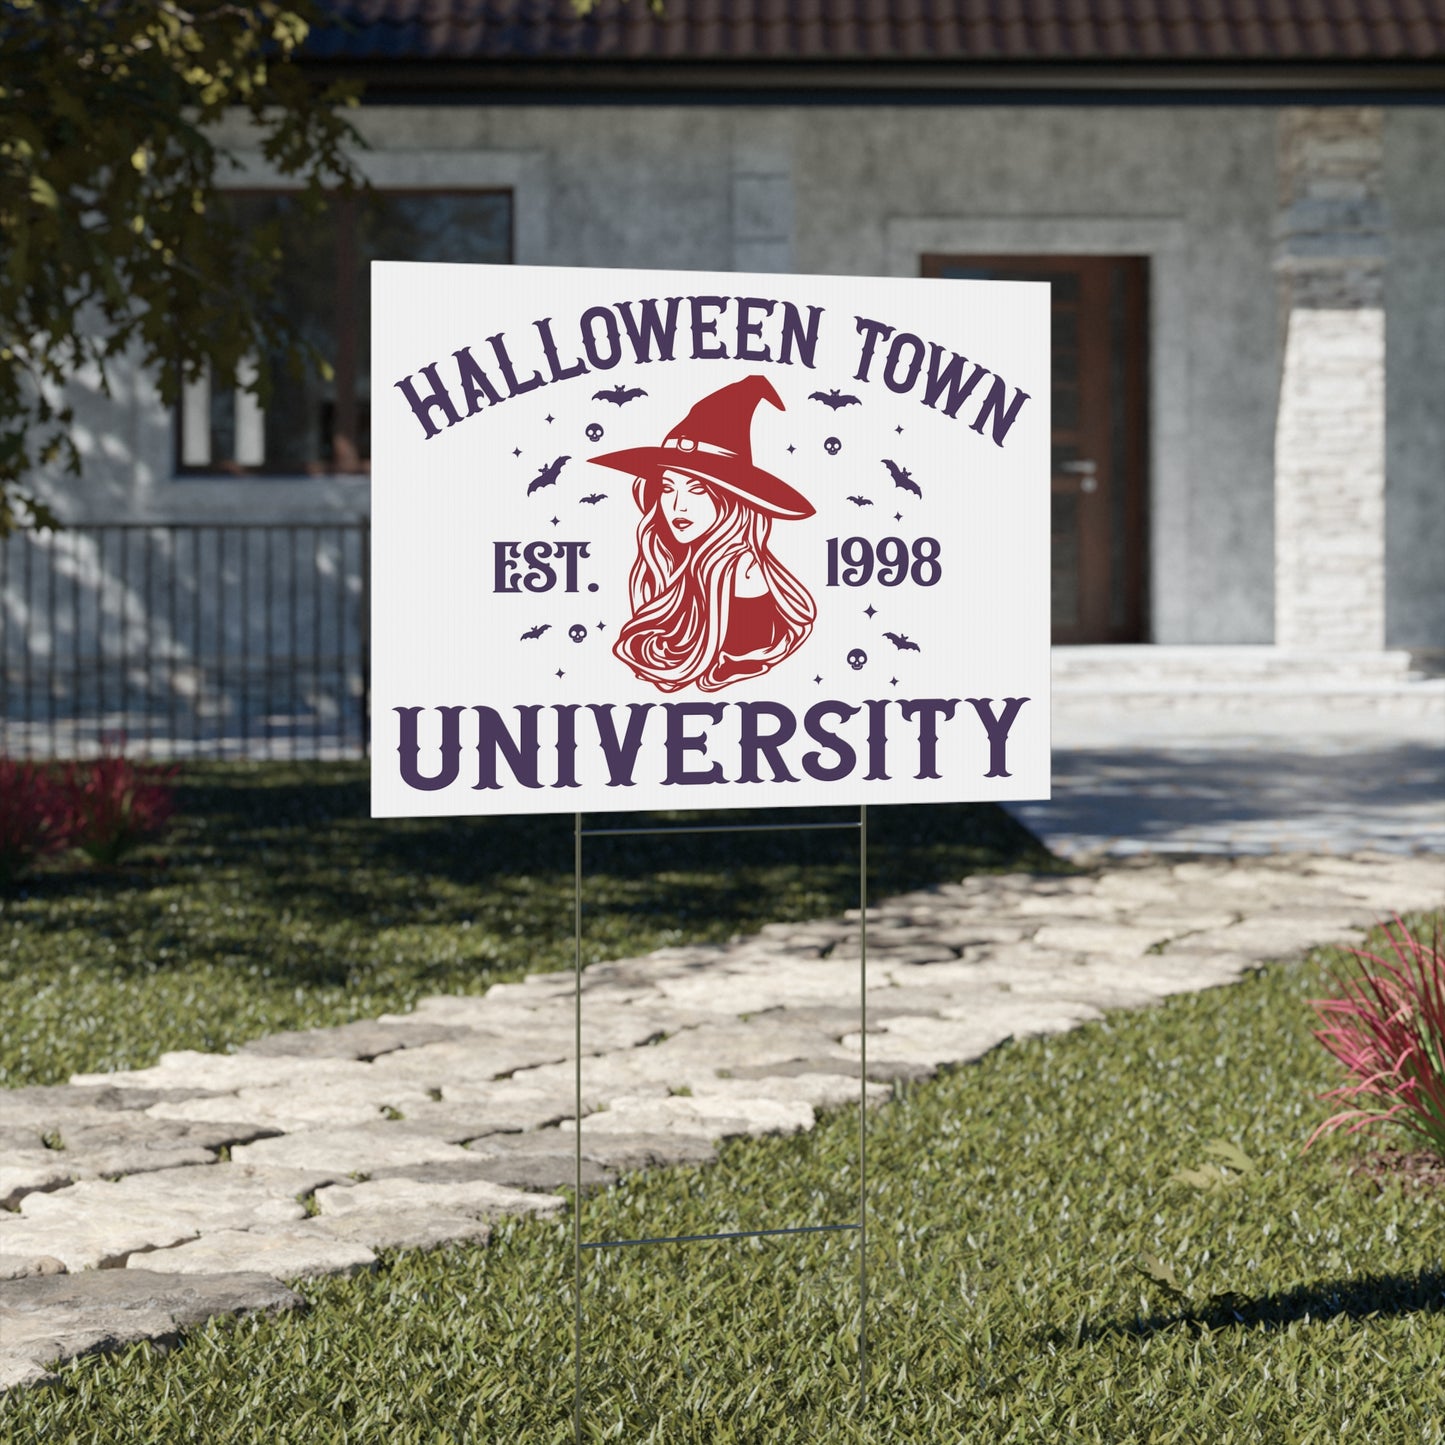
point(51, 1317)
point(297, 1252)
point(409, 1131)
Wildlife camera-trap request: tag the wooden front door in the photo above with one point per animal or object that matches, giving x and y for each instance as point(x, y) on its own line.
point(1099, 451)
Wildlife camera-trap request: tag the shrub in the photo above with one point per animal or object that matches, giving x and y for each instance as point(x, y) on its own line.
point(116, 805)
point(1388, 1030)
point(34, 816)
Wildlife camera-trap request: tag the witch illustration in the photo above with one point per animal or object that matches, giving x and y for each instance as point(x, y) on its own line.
point(711, 605)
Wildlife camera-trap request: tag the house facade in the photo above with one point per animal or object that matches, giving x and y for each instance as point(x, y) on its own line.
point(1243, 220)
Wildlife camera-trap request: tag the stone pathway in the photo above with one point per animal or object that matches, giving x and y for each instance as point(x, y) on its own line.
point(125, 1219)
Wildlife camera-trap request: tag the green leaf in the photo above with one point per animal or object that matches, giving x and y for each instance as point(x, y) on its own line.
point(1230, 1154)
point(1160, 1271)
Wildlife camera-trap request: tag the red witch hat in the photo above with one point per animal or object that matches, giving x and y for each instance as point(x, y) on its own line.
point(714, 442)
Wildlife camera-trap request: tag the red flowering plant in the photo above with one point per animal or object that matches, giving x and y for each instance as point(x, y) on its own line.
point(34, 816)
point(116, 805)
point(1388, 1030)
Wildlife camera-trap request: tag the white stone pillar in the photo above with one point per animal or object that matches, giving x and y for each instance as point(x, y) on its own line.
point(1329, 460)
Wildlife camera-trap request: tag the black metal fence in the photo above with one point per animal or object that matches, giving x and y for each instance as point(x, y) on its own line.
point(186, 640)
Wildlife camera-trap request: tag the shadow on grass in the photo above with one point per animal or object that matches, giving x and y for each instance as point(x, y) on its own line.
point(332, 846)
point(263, 856)
point(1361, 1298)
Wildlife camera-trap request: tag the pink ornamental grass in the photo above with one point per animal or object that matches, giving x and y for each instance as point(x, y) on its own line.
point(35, 816)
point(1388, 1030)
point(116, 805)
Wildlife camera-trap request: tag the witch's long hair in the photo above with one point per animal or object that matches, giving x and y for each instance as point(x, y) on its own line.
point(682, 596)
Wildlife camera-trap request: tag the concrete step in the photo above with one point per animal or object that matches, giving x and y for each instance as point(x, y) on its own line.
point(1423, 700)
point(1245, 682)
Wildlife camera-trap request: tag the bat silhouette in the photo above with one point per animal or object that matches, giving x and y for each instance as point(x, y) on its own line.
point(903, 479)
point(619, 395)
point(833, 400)
point(595, 498)
point(536, 631)
point(548, 475)
point(861, 501)
point(902, 643)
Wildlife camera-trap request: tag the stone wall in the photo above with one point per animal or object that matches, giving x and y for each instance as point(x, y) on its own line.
point(1329, 475)
point(1414, 368)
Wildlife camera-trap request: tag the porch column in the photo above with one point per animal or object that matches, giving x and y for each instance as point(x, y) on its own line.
point(1329, 456)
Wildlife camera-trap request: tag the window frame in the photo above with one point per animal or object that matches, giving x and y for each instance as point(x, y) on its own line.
point(346, 339)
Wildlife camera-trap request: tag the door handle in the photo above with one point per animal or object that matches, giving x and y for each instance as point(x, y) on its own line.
point(1084, 469)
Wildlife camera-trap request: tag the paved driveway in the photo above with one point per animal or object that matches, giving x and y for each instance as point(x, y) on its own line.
point(1175, 784)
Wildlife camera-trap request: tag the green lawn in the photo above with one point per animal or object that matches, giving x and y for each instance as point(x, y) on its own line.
point(276, 903)
point(1011, 1203)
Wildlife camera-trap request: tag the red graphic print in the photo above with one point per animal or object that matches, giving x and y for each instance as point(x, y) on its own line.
point(711, 605)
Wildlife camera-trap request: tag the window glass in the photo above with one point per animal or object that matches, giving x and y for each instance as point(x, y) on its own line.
point(312, 425)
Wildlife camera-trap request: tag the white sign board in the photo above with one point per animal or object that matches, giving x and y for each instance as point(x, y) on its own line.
point(650, 540)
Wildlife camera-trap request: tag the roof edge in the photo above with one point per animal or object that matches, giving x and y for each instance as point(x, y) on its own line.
point(590, 80)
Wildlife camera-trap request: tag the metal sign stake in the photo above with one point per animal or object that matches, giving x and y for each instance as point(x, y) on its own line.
point(861, 1227)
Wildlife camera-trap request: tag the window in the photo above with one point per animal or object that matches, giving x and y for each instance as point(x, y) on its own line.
point(314, 427)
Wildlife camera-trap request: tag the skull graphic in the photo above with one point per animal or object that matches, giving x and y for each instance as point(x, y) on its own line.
point(832, 446)
point(576, 632)
point(594, 431)
point(857, 658)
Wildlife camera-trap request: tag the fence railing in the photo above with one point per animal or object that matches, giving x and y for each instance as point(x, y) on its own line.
point(185, 640)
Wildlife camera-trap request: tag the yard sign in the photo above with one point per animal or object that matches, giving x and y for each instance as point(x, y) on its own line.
point(649, 540)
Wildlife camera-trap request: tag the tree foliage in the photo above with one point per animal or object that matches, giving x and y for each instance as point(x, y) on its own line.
point(112, 235)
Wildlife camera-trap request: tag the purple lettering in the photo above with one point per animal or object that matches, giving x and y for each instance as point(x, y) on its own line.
point(650, 330)
point(949, 377)
point(750, 330)
point(928, 711)
point(871, 332)
point(680, 742)
point(422, 405)
point(877, 740)
point(514, 387)
point(993, 408)
point(451, 749)
point(997, 729)
point(813, 726)
point(591, 318)
point(566, 746)
point(805, 338)
point(757, 745)
point(703, 327)
point(549, 350)
point(475, 382)
point(521, 753)
point(620, 756)
point(904, 341)
point(504, 566)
